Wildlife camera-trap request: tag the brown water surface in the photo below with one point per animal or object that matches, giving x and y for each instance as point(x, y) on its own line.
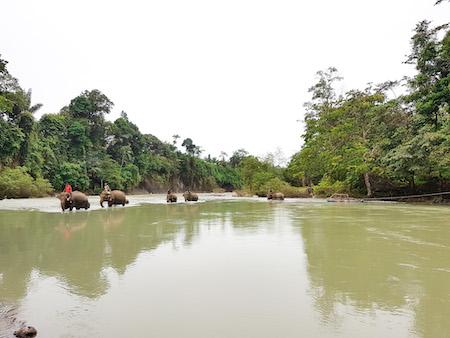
point(231, 268)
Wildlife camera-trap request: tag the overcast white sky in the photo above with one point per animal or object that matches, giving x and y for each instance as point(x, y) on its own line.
point(229, 74)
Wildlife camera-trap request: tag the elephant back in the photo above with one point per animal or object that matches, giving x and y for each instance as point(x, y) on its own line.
point(118, 195)
point(189, 196)
point(171, 198)
point(275, 196)
point(78, 196)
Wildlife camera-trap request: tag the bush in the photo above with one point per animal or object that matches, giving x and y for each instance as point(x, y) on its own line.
point(296, 192)
point(274, 184)
point(242, 193)
point(17, 183)
point(43, 187)
point(131, 176)
point(74, 173)
point(278, 185)
point(219, 190)
point(326, 187)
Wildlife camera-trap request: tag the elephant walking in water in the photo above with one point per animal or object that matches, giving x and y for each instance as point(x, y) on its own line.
point(114, 197)
point(171, 198)
point(190, 196)
point(75, 199)
point(275, 196)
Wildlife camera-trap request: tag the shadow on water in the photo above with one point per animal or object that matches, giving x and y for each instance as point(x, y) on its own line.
point(387, 258)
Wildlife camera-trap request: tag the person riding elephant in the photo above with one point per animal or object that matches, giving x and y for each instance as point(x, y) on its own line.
point(106, 187)
point(114, 197)
point(171, 198)
point(275, 195)
point(190, 196)
point(75, 199)
point(68, 187)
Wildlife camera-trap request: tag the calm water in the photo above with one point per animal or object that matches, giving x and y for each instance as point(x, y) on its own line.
point(228, 269)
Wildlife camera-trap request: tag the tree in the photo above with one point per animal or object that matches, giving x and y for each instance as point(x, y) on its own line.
point(11, 138)
point(79, 140)
point(430, 88)
point(191, 148)
point(25, 121)
point(237, 157)
point(73, 173)
point(223, 156)
point(90, 105)
point(3, 64)
point(175, 139)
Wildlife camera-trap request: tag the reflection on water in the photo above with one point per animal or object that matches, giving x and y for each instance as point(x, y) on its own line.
point(380, 258)
point(230, 269)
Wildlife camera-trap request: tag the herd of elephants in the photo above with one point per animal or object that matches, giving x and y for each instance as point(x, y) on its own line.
point(79, 200)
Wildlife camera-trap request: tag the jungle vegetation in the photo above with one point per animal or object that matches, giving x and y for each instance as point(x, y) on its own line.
point(78, 145)
point(372, 142)
point(364, 142)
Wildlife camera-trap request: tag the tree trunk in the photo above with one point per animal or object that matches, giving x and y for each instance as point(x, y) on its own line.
point(368, 186)
point(413, 183)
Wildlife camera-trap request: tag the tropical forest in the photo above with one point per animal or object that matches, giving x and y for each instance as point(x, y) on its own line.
point(390, 138)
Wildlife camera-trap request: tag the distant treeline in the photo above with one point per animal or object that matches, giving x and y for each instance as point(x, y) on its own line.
point(364, 142)
point(373, 142)
point(78, 145)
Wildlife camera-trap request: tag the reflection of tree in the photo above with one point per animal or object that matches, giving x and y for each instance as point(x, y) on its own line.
point(19, 244)
point(250, 215)
point(142, 229)
point(378, 260)
point(77, 247)
point(77, 258)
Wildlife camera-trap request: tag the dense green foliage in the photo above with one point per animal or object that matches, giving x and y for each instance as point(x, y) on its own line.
point(18, 183)
point(78, 145)
point(366, 142)
point(260, 176)
point(363, 142)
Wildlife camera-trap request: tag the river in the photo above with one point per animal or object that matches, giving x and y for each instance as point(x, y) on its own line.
point(225, 267)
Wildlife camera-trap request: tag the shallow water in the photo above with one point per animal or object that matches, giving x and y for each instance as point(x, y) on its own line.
point(227, 268)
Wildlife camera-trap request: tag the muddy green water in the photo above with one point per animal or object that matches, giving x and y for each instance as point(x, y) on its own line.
point(229, 269)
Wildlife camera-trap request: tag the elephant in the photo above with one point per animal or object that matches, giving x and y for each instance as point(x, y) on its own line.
point(114, 197)
point(171, 198)
point(24, 332)
point(75, 199)
point(190, 196)
point(275, 196)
